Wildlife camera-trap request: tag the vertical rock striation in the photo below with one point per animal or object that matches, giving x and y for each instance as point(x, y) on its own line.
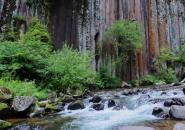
point(161, 21)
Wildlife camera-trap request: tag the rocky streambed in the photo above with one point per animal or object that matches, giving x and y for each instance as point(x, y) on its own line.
point(159, 108)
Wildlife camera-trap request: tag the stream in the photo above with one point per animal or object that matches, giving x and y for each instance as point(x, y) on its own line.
point(135, 110)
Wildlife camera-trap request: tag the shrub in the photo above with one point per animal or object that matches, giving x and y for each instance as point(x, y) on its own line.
point(25, 58)
point(20, 88)
point(166, 55)
point(168, 75)
point(125, 38)
point(36, 32)
point(134, 83)
point(149, 80)
point(181, 53)
point(164, 65)
point(106, 80)
point(69, 68)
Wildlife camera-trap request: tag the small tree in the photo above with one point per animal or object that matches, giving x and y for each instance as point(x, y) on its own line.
point(125, 38)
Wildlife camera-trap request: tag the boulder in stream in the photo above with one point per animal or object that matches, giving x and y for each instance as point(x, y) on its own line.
point(38, 111)
point(76, 105)
point(111, 103)
point(177, 112)
point(179, 126)
point(22, 104)
point(95, 99)
point(157, 111)
point(183, 90)
point(68, 99)
point(134, 128)
point(174, 101)
point(98, 106)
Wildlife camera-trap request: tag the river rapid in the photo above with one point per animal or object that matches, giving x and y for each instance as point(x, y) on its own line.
point(133, 110)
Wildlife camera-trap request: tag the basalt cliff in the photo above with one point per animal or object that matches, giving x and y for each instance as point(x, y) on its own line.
point(82, 23)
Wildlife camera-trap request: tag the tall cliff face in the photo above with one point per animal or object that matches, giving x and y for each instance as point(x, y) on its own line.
point(161, 21)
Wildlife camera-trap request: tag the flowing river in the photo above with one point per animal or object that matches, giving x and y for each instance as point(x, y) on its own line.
point(135, 110)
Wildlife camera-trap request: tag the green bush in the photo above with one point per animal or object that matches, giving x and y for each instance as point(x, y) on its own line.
point(36, 32)
point(105, 80)
point(19, 88)
point(25, 58)
point(125, 38)
point(168, 75)
point(134, 83)
point(181, 53)
point(164, 65)
point(149, 80)
point(69, 68)
point(166, 55)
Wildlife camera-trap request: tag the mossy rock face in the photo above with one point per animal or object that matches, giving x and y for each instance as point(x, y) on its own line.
point(4, 125)
point(5, 95)
point(50, 108)
point(4, 110)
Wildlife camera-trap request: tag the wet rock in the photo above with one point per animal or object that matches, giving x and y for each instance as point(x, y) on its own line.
point(5, 95)
point(163, 93)
point(78, 94)
point(157, 111)
point(143, 98)
point(127, 92)
point(4, 125)
point(177, 112)
point(174, 101)
point(125, 85)
point(22, 104)
point(24, 126)
point(4, 111)
point(38, 111)
point(98, 106)
point(134, 128)
point(52, 97)
point(50, 108)
point(111, 103)
point(60, 108)
point(179, 126)
point(43, 103)
point(174, 93)
point(177, 84)
point(95, 99)
point(156, 100)
point(135, 91)
point(183, 90)
point(118, 107)
point(76, 105)
point(68, 99)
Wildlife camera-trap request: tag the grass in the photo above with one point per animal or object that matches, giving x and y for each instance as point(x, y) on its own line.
point(22, 88)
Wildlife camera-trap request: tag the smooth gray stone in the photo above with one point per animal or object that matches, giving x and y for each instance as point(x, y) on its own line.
point(134, 128)
point(179, 126)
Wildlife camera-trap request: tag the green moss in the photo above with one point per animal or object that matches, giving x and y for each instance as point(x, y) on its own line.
point(50, 108)
point(3, 106)
point(4, 125)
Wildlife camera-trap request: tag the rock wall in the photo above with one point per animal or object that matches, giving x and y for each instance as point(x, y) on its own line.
point(161, 21)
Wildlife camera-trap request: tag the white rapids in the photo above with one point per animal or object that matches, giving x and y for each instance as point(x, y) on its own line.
point(137, 110)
